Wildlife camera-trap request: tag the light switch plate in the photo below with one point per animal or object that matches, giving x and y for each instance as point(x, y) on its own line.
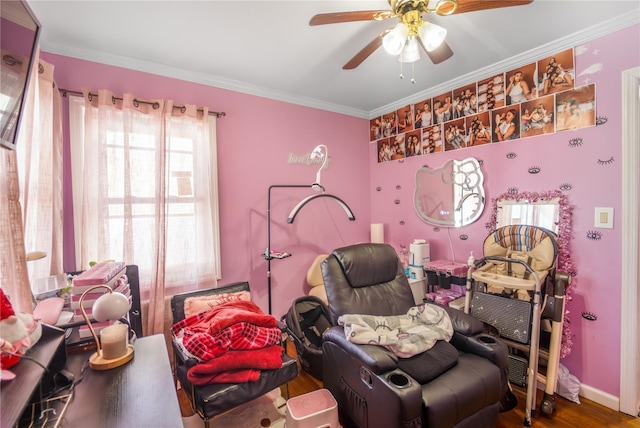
point(603, 218)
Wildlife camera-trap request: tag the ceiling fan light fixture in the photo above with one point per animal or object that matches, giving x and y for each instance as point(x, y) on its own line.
point(432, 35)
point(443, 7)
point(394, 41)
point(411, 51)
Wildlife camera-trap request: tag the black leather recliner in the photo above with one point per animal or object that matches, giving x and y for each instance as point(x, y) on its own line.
point(447, 386)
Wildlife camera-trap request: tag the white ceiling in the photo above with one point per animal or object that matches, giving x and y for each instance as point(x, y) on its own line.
point(267, 48)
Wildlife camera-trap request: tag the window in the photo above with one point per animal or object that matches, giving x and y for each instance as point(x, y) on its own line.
point(145, 192)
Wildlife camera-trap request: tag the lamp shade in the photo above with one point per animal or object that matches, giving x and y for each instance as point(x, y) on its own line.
point(394, 41)
point(411, 51)
point(110, 306)
point(36, 255)
point(432, 35)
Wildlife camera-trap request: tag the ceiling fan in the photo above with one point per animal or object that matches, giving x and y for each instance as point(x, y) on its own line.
point(412, 32)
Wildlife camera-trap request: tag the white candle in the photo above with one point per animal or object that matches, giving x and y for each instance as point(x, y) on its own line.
point(377, 233)
point(113, 340)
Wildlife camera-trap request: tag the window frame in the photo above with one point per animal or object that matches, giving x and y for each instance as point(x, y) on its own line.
point(76, 141)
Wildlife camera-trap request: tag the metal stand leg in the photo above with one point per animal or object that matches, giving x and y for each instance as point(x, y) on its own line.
point(532, 379)
point(548, 405)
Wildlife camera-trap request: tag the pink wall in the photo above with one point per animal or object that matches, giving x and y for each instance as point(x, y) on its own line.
point(255, 140)
point(590, 165)
point(257, 136)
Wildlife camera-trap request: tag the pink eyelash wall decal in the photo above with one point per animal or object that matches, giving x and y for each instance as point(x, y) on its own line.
point(594, 235)
point(565, 186)
point(575, 142)
point(606, 162)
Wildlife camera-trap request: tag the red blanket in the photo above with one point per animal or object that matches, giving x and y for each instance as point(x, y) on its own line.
point(234, 341)
point(236, 366)
point(222, 316)
point(231, 326)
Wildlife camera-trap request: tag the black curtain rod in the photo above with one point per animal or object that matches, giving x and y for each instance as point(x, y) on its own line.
point(155, 105)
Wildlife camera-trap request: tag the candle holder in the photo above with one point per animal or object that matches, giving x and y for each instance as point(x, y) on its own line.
point(108, 307)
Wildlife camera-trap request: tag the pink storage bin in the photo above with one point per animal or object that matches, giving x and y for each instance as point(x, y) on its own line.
point(456, 273)
point(316, 409)
point(447, 266)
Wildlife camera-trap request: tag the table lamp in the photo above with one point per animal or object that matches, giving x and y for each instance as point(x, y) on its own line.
point(113, 347)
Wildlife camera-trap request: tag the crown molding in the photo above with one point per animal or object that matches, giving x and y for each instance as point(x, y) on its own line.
point(590, 33)
point(197, 77)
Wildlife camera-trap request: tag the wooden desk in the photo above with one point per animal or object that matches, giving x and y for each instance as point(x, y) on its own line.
point(140, 393)
point(15, 395)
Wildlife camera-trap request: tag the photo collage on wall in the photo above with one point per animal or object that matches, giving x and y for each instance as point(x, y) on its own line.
point(535, 99)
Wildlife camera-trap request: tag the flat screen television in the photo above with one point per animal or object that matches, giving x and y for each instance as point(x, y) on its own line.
point(19, 32)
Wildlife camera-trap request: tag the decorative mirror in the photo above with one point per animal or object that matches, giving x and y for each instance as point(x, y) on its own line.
point(543, 209)
point(452, 195)
point(542, 212)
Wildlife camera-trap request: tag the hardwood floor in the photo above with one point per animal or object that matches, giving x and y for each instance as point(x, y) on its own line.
point(567, 415)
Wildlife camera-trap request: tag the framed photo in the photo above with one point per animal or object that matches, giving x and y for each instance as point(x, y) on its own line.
point(423, 115)
point(465, 101)
point(491, 93)
point(478, 129)
point(537, 117)
point(576, 108)
point(556, 73)
point(520, 84)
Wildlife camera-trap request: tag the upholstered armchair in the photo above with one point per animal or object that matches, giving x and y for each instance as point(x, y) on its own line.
point(211, 400)
point(459, 383)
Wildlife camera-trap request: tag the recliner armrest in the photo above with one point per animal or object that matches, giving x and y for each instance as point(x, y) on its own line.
point(376, 358)
point(182, 356)
point(464, 323)
point(469, 337)
point(484, 345)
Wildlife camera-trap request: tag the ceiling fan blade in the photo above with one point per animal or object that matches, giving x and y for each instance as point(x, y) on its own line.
point(364, 15)
point(439, 54)
point(474, 5)
point(365, 52)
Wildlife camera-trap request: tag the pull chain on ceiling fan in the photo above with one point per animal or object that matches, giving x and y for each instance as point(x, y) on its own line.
point(412, 33)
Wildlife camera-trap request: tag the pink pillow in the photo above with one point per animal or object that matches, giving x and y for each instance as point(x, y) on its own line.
point(195, 305)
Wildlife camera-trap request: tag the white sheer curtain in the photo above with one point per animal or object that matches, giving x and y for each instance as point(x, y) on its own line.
point(13, 265)
point(40, 171)
point(147, 194)
point(31, 191)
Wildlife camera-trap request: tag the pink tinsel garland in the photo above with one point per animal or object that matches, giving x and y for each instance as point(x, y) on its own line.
point(565, 263)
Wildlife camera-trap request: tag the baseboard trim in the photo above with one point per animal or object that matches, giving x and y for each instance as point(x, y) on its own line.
point(600, 397)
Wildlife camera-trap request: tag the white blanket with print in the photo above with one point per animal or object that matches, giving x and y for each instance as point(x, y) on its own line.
point(404, 335)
